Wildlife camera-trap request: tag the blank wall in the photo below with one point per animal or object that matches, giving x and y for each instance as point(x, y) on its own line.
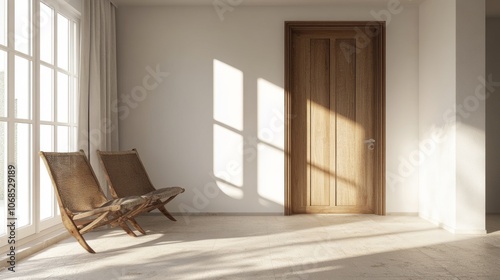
point(213, 121)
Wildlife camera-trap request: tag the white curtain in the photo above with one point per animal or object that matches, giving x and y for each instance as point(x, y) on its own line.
point(98, 122)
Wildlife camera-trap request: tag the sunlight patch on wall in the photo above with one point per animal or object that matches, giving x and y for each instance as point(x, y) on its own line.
point(271, 121)
point(228, 95)
point(270, 172)
point(228, 161)
point(271, 128)
point(230, 190)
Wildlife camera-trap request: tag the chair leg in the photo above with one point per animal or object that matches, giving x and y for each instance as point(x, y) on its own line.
point(165, 212)
point(73, 230)
point(125, 227)
point(82, 242)
point(136, 225)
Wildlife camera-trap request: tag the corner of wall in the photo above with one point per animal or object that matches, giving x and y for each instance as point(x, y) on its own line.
point(471, 116)
point(492, 117)
point(437, 95)
point(452, 114)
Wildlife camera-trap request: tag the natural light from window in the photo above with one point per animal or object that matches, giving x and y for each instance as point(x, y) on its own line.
point(228, 141)
point(231, 150)
point(36, 116)
point(228, 95)
point(270, 149)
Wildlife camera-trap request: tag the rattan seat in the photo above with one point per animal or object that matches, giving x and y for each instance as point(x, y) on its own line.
point(127, 176)
point(81, 200)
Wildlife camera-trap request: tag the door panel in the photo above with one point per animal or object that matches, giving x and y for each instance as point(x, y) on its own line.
point(319, 122)
point(332, 86)
point(348, 131)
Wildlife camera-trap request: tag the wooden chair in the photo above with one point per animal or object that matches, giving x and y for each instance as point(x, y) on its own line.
point(127, 176)
point(81, 200)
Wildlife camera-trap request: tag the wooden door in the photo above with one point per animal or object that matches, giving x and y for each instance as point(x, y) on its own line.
point(335, 139)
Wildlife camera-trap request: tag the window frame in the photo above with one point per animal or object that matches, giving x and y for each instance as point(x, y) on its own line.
point(37, 227)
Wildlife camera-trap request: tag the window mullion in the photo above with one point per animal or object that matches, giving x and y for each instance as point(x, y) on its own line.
point(10, 81)
point(36, 111)
point(71, 84)
point(55, 93)
point(23, 55)
point(10, 24)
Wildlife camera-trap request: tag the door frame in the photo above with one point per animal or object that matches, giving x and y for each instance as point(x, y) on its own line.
point(380, 160)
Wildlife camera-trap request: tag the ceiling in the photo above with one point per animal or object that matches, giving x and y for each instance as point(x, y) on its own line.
point(492, 6)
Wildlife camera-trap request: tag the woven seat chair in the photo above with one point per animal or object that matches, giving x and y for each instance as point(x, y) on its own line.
point(127, 176)
point(81, 200)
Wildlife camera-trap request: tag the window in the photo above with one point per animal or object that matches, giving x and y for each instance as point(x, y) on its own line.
point(38, 104)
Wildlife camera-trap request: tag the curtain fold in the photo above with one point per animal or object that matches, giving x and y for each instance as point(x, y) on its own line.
point(98, 122)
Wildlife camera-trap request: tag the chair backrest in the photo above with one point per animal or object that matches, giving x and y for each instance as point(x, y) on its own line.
point(125, 173)
point(74, 180)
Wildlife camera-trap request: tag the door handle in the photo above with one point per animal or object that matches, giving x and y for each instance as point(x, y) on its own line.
point(370, 143)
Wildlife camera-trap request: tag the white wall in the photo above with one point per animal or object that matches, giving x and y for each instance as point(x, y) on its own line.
point(183, 141)
point(77, 4)
point(492, 117)
point(452, 114)
point(471, 127)
point(437, 88)
point(402, 180)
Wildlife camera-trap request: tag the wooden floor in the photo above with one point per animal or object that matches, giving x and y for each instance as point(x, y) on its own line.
point(274, 247)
